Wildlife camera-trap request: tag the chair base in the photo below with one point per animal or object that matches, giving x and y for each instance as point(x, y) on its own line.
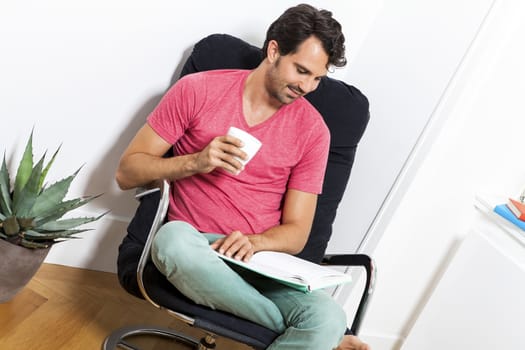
point(117, 339)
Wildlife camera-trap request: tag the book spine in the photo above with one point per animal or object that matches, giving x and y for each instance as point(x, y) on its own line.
point(514, 210)
point(518, 208)
point(504, 211)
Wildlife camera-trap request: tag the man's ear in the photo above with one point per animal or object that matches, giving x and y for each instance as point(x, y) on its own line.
point(272, 52)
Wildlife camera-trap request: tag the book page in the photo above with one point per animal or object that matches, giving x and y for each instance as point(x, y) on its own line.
point(286, 267)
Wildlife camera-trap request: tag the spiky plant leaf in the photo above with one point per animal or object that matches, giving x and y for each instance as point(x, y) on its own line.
point(67, 224)
point(53, 195)
point(33, 182)
point(35, 245)
point(46, 169)
point(5, 190)
point(31, 212)
point(57, 212)
point(28, 195)
point(26, 223)
point(24, 169)
point(44, 236)
point(10, 226)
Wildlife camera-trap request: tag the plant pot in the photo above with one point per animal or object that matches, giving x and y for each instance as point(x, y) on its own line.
point(18, 266)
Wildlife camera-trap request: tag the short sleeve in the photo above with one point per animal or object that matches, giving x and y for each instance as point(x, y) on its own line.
point(177, 108)
point(308, 174)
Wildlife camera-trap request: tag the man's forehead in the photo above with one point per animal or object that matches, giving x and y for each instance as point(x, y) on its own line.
point(310, 55)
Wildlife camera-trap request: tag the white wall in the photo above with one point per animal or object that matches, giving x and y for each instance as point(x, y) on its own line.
point(478, 150)
point(404, 66)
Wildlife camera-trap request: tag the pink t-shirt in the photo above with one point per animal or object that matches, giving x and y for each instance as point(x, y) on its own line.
point(295, 142)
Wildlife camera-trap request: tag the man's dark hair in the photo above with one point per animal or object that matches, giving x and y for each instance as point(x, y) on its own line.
point(300, 22)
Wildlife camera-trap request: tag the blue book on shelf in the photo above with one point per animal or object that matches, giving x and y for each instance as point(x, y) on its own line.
point(504, 211)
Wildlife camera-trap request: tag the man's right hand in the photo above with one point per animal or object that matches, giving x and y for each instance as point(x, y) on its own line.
point(221, 152)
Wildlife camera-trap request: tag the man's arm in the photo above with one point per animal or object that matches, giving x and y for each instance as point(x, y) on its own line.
point(289, 237)
point(142, 163)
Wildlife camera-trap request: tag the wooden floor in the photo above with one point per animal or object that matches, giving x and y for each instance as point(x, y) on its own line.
point(69, 308)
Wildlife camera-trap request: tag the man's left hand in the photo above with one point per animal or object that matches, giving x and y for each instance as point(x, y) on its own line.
point(236, 245)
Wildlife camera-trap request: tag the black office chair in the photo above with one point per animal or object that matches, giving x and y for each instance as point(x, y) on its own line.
point(345, 110)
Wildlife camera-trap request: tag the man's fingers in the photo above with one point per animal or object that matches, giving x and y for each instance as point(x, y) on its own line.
point(229, 144)
point(222, 245)
point(246, 255)
point(231, 152)
point(232, 140)
point(226, 155)
point(230, 244)
point(243, 251)
point(238, 249)
point(236, 245)
point(217, 243)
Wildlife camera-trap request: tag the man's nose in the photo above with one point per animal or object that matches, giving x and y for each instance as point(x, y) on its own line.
point(308, 85)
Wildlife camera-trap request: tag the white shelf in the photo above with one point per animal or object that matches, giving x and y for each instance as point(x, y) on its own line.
point(485, 203)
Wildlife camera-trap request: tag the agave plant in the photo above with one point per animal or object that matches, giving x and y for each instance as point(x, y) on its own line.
point(30, 211)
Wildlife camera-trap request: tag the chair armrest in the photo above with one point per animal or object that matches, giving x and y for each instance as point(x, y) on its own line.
point(360, 260)
point(142, 191)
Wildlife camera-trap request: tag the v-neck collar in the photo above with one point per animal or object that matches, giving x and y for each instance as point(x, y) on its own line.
point(242, 118)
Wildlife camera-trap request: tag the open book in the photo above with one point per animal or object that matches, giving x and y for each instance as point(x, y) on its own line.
point(292, 271)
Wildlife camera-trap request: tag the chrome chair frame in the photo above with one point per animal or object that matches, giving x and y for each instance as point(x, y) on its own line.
point(119, 337)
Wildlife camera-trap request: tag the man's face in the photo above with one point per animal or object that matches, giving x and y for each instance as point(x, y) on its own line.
point(296, 74)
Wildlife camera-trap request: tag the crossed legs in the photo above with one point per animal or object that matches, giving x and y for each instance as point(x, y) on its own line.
point(306, 320)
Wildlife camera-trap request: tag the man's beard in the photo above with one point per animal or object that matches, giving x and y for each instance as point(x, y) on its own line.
point(276, 88)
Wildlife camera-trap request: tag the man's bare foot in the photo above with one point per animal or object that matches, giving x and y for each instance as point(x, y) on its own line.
point(351, 342)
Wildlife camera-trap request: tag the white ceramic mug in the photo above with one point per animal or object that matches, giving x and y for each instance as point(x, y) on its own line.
point(251, 144)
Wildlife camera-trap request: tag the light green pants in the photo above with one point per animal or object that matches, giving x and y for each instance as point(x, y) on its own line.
point(305, 320)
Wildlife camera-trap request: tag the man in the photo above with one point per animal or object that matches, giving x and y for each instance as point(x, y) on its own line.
point(218, 204)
